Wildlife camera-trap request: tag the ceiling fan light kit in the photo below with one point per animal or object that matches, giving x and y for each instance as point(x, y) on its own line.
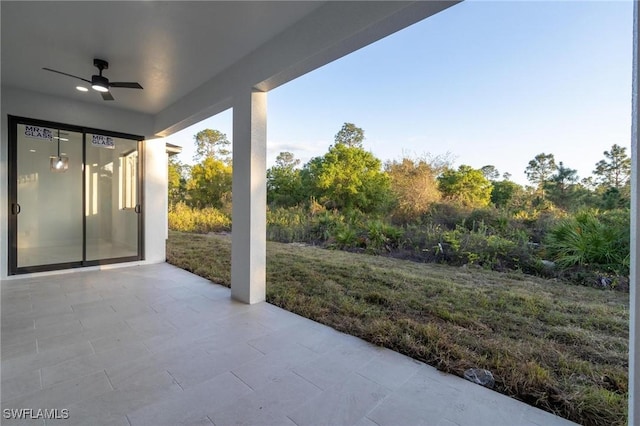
point(99, 83)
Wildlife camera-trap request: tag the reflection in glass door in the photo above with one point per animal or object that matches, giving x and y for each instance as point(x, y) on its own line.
point(111, 197)
point(49, 196)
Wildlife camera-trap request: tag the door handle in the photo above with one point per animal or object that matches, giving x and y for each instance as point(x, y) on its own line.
point(137, 209)
point(15, 208)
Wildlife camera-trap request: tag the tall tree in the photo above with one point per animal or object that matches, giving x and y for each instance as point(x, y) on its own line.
point(466, 186)
point(589, 183)
point(284, 183)
point(506, 193)
point(614, 170)
point(210, 183)
point(414, 184)
point(561, 186)
point(350, 135)
point(177, 173)
point(490, 172)
point(540, 170)
point(612, 198)
point(348, 177)
point(564, 177)
point(212, 144)
point(287, 160)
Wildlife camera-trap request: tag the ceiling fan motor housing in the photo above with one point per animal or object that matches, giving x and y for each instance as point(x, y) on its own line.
point(99, 81)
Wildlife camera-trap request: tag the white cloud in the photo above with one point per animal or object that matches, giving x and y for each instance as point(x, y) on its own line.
point(303, 151)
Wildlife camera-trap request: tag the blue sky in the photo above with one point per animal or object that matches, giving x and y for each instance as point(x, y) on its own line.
point(490, 82)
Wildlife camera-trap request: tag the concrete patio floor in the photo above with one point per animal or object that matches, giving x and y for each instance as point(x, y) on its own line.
point(156, 345)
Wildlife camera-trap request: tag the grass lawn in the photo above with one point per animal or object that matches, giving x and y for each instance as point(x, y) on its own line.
point(560, 347)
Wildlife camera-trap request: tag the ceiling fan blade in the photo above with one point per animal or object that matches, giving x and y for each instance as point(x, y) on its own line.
point(68, 75)
point(125, 85)
point(107, 96)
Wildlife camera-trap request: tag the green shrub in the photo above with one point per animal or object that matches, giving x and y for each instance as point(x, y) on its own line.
point(597, 241)
point(376, 239)
point(186, 219)
point(324, 225)
point(381, 236)
point(302, 224)
point(538, 223)
point(425, 241)
point(394, 235)
point(345, 237)
point(288, 225)
point(479, 246)
point(446, 215)
point(498, 221)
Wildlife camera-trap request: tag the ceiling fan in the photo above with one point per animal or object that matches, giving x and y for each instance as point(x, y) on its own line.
point(100, 83)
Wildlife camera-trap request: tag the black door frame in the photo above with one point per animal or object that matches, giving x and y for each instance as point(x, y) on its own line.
point(13, 207)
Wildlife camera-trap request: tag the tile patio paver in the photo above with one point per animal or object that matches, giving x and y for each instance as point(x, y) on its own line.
point(155, 345)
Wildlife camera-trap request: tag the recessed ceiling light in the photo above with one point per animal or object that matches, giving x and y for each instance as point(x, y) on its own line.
point(82, 89)
point(32, 150)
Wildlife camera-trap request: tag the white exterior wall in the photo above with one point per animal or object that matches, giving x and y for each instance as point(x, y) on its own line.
point(42, 107)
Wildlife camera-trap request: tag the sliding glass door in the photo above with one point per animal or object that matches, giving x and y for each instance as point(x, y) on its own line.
point(111, 197)
point(49, 196)
point(75, 196)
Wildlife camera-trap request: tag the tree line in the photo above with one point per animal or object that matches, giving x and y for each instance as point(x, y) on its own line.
point(354, 188)
point(348, 176)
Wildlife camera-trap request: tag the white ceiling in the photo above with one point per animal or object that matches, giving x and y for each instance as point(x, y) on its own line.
point(170, 48)
point(191, 57)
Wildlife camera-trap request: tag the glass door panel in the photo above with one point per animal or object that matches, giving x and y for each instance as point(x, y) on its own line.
point(111, 197)
point(49, 196)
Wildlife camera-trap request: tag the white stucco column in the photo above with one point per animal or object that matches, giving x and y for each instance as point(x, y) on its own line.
point(249, 232)
point(634, 299)
point(156, 205)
